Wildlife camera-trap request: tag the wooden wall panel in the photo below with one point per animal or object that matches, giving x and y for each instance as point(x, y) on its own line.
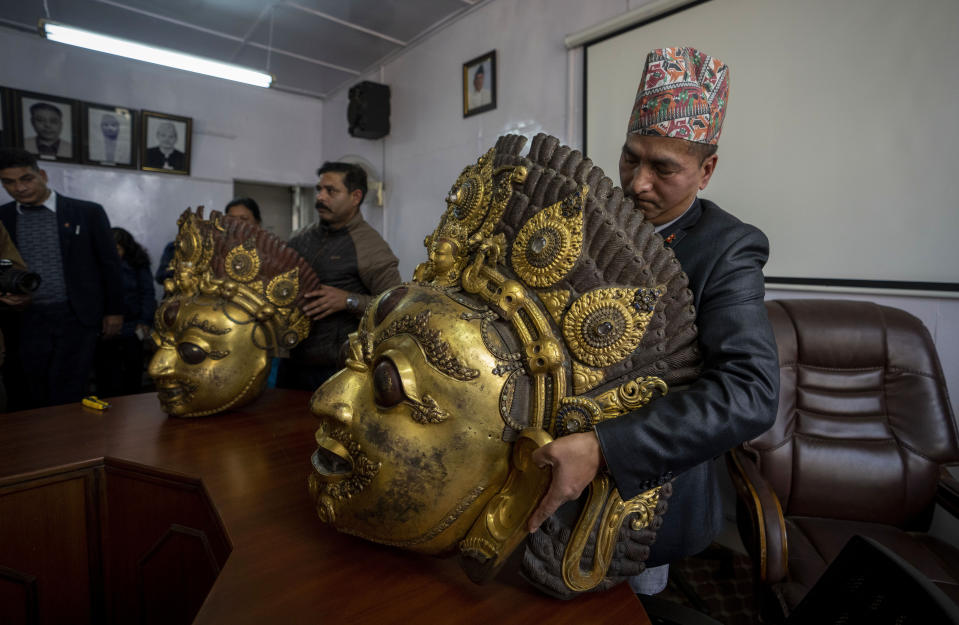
point(107, 541)
point(18, 597)
point(163, 545)
point(44, 537)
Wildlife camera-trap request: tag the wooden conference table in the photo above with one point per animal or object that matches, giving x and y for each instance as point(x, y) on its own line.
point(130, 516)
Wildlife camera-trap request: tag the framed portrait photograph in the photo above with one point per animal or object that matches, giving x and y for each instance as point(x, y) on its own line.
point(47, 125)
point(479, 84)
point(109, 135)
point(165, 142)
point(6, 127)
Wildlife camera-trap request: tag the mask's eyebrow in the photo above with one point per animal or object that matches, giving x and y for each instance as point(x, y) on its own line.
point(438, 352)
point(206, 326)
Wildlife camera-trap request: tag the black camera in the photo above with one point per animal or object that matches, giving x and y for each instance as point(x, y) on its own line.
point(13, 280)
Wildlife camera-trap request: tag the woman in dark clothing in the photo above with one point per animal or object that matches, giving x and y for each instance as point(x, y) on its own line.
point(120, 360)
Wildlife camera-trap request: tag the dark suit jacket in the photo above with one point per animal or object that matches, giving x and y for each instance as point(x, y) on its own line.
point(154, 158)
point(733, 400)
point(91, 266)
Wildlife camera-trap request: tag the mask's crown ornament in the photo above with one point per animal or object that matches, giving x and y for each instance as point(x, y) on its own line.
point(239, 275)
point(247, 265)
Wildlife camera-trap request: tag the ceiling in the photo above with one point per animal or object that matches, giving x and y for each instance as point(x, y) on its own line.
point(312, 47)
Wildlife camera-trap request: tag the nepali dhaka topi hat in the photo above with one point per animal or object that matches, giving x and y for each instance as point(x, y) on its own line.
point(682, 94)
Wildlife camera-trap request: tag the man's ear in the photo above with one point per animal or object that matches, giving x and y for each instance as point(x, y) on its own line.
point(708, 167)
point(356, 196)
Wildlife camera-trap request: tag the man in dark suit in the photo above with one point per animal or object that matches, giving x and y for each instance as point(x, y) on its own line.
point(668, 157)
point(69, 243)
point(165, 155)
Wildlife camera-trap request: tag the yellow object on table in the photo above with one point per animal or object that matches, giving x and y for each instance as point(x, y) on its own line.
point(95, 402)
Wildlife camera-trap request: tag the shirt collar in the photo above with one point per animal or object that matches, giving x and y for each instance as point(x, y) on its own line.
point(50, 203)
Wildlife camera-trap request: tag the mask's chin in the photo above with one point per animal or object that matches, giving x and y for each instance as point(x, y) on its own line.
point(175, 396)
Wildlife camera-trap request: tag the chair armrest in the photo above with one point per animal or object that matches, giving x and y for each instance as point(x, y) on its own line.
point(947, 492)
point(759, 517)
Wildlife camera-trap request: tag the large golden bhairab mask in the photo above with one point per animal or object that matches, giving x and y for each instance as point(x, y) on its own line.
point(547, 305)
point(232, 302)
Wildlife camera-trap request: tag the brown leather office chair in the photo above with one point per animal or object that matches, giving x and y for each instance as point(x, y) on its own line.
point(869, 584)
point(863, 430)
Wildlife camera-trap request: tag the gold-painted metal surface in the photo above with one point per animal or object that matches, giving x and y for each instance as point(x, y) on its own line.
point(283, 289)
point(605, 326)
point(474, 204)
point(434, 436)
point(577, 414)
point(555, 302)
point(605, 504)
point(549, 244)
point(242, 262)
point(219, 326)
point(438, 351)
point(454, 380)
point(585, 378)
point(604, 501)
point(502, 525)
point(630, 396)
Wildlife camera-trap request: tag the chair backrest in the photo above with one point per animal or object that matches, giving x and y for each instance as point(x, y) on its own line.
point(870, 584)
point(864, 417)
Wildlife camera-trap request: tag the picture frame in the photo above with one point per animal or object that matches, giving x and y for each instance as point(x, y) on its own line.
point(479, 84)
point(162, 150)
point(47, 126)
point(110, 137)
point(6, 118)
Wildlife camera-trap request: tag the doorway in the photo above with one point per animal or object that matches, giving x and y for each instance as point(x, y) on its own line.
point(284, 208)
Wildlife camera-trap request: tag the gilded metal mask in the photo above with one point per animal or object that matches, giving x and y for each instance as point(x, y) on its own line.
point(232, 302)
point(547, 305)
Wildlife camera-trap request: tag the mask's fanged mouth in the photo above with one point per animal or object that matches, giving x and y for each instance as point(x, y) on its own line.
point(331, 460)
point(173, 392)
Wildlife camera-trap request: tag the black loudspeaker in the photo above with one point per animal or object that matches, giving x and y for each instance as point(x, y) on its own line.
point(368, 113)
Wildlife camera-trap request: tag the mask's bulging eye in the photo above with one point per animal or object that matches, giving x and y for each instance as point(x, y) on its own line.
point(387, 386)
point(190, 353)
point(389, 302)
point(168, 316)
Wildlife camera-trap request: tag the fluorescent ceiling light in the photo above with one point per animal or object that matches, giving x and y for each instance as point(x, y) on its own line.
point(161, 56)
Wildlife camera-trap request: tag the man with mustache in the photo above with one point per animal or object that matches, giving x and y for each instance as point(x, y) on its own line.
point(353, 262)
point(668, 157)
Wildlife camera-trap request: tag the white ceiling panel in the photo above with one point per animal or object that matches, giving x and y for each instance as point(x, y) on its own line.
point(311, 47)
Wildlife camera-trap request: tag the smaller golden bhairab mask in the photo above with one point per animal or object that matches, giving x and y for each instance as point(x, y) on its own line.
point(546, 306)
point(232, 302)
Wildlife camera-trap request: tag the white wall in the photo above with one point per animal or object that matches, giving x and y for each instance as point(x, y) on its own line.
point(239, 132)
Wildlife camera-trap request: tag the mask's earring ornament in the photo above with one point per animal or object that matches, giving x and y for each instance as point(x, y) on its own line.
point(233, 301)
point(547, 305)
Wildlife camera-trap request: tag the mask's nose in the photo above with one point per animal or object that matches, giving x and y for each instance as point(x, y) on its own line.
point(333, 400)
point(161, 364)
